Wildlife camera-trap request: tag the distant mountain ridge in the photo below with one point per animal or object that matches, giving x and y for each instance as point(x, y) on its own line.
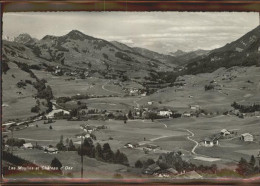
point(78, 50)
point(245, 51)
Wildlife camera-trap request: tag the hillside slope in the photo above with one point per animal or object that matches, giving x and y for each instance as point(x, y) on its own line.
point(245, 51)
point(78, 50)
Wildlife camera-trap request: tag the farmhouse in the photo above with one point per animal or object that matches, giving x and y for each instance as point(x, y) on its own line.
point(83, 135)
point(151, 169)
point(149, 102)
point(191, 175)
point(28, 145)
point(165, 113)
point(247, 137)
point(186, 114)
point(52, 113)
point(51, 150)
point(194, 107)
point(130, 145)
point(224, 132)
point(210, 142)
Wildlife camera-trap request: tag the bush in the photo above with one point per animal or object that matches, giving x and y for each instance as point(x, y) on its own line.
point(138, 164)
point(56, 163)
point(35, 109)
point(5, 67)
point(15, 142)
point(123, 56)
point(208, 87)
point(21, 84)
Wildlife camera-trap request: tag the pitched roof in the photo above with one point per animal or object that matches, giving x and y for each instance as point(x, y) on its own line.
point(246, 134)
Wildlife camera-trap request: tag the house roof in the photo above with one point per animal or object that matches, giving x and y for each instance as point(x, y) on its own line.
point(153, 167)
point(224, 130)
point(210, 139)
point(28, 145)
point(172, 170)
point(192, 175)
point(246, 134)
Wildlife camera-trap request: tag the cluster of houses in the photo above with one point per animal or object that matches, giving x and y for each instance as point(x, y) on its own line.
point(46, 149)
point(156, 171)
point(225, 134)
point(88, 129)
point(58, 71)
point(135, 92)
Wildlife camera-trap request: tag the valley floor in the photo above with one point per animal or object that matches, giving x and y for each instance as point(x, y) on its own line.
point(184, 134)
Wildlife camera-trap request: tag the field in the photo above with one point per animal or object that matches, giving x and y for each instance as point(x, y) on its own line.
point(169, 135)
point(62, 86)
point(184, 134)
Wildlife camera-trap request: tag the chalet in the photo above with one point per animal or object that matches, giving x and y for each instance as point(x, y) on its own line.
point(186, 114)
point(151, 169)
point(151, 147)
point(149, 102)
point(165, 113)
point(190, 175)
point(133, 91)
point(247, 137)
point(51, 150)
point(210, 142)
point(194, 107)
point(224, 132)
point(130, 145)
point(28, 145)
point(83, 135)
point(89, 128)
point(172, 171)
point(53, 112)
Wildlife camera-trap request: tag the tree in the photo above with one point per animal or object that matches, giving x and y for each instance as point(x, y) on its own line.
point(60, 145)
point(35, 109)
point(242, 167)
point(88, 148)
point(130, 115)
point(61, 139)
point(98, 152)
point(108, 154)
point(67, 143)
point(71, 146)
point(56, 163)
point(50, 127)
point(252, 161)
point(138, 164)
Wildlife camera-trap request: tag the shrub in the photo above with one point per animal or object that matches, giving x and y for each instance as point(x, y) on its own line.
point(21, 84)
point(35, 109)
point(208, 87)
point(5, 67)
point(56, 163)
point(138, 164)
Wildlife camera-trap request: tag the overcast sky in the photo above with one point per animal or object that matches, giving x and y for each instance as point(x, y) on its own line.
point(159, 31)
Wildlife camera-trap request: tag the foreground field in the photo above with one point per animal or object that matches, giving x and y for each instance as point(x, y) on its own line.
point(169, 135)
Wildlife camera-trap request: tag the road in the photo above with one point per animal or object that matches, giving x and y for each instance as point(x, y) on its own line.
point(103, 87)
point(196, 143)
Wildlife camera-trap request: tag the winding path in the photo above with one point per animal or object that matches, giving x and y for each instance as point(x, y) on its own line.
point(103, 87)
point(196, 143)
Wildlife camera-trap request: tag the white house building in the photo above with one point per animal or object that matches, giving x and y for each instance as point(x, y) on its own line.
point(247, 137)
point(28, 145)
point(224, 132)
point(165, 113)
point(210, 142)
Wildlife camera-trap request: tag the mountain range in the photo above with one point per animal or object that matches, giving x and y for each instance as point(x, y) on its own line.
point(78, 50)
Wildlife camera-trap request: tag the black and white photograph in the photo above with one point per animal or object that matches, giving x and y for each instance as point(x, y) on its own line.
point(130, 95)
